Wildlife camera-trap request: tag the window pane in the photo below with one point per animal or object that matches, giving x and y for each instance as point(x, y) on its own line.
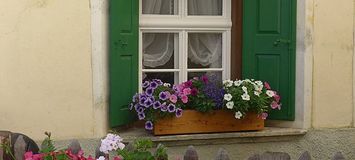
point(205, 50)
point(162, 7)
point(205, 7)
point(215, 76)
point(160, 50)
point(166, 77)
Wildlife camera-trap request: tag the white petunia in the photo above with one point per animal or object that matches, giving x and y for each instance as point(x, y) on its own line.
point(228, 83)
point(230, 105)
point(245, 97)
point(101, 158)
point(228, 97)
point(259, 83)
point(238, 115)
point(257, 93)
point(245, 89)
point(167, 84)
point(270, 93)
point(238, 83)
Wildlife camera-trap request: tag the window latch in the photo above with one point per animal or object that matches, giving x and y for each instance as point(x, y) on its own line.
point(281, 41)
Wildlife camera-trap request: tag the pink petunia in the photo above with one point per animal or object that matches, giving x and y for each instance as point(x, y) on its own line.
point(184, 99)
point(275, 105)
point(267, 86)
point(264, 115)
point(186, 91)
point(277, 98)
point(173, 98)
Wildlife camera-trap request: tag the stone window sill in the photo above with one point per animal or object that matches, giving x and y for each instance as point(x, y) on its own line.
point(269, 134)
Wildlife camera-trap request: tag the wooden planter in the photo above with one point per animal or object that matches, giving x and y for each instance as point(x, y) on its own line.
point(196, 122)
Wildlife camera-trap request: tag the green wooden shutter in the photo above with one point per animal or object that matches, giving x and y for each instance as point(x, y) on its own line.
point(123, 59)
point(269, 48)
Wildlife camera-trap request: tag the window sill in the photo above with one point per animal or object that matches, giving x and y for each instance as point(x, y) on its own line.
point(269, 134)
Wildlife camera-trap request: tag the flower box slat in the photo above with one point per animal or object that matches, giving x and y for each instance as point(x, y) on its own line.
point(196, 122)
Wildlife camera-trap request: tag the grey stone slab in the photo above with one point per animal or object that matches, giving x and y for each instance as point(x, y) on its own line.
point(267, 135)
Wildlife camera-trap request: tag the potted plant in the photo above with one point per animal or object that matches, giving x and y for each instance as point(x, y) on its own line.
point(204, 105)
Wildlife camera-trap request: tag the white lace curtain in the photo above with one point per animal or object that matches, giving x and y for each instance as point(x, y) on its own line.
point(204, 48)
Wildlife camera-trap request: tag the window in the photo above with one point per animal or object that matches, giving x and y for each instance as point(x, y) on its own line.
point(181, 39)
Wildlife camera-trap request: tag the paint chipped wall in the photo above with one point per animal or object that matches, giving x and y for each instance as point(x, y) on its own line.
point(333, 50)
point(45, 68)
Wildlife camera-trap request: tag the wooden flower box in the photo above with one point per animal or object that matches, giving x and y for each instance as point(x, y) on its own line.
point(196, 122)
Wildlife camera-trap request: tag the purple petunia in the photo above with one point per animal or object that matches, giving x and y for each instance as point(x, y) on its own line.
point(171, 108)
point(148, 103)
point(158, 81)
point(135, 97)
point(149, 91)
point(141, 116)
point(154, 85)
point(178, 112)
point(146, 84)
point(164, 107)
point(163, 96)
point(142, 100)
point(149, 125)
point(156, 105)
point(140, 109)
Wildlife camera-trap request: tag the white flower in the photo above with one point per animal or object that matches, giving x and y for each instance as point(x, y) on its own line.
point(238, 115)
point(245, 97)
point(270, 93)
point(228, 97)
point(257, 93)
point(259, 83)
point(245, 89)
point(101, 158)
point(111, 142)
point(247, 80)
point(230, 105)
point(167, 84)
point(228, 83)
point(238, 83)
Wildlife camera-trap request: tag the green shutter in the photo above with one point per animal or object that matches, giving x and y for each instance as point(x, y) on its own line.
point(269, 48)
point(123, 59)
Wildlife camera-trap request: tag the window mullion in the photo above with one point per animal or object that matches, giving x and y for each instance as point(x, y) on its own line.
point(183, 56)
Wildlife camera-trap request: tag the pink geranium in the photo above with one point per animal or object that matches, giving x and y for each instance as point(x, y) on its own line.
point(186, 91)
point(184, 99)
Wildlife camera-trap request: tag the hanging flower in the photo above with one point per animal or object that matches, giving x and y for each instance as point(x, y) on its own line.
point(238, 115)
point(230, 105)
point(238, 83)
point(171, 108)
point(148, 125)
point(184, 99)
point(228, 97)
point(156, 105)
point(270, 93)
point(178, 112)
point(267, 86)
point(245, 97)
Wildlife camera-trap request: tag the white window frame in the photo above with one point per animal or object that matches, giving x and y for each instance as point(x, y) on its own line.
point(182, 24)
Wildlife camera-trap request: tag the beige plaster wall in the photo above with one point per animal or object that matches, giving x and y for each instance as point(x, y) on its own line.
point(332, 63)
point(45, 68)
